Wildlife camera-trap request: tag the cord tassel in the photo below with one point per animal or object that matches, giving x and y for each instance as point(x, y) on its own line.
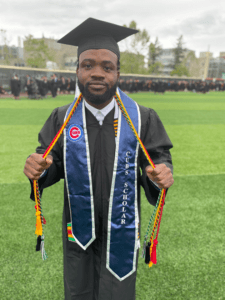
point(153, 254)
point(38, 223)
point(38, 246)
point(147, 253)
point(43, 252)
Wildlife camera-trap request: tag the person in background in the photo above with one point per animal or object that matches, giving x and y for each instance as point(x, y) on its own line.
point(15, 87)
point(2, 91)
point(54, 85)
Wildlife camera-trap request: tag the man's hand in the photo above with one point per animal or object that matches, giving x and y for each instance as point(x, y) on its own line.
point(35, 165)
point(161, 175)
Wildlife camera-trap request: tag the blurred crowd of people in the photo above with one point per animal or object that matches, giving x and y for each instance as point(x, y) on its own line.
point(39, 88)
point(162, 86)
point(3, 91)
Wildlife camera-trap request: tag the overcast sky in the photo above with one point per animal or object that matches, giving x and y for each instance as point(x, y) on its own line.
point(201, 22)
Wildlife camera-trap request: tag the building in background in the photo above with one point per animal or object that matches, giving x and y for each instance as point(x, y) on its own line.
point(204, 54)
point(198, 66)
point(51, 65)
point(167, 59)
point(222, 54)
point(11, 55)
point(216, 67)
point(206, 66)
point(71, 62)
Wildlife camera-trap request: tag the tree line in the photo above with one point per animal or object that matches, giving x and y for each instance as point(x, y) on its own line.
point(138, 54)
point(142, 56)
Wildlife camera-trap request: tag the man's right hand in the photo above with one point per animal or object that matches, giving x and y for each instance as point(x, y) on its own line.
point(35, 165)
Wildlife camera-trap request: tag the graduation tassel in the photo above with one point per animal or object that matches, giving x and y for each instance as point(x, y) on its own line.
point(38, 224)
point(153, 258)
point(43, 252)
point(40, 220)
point(153, 252)
point(38, 246)
point(155, 242)
point(149, 225)
point(147, 253)
point(38, 213)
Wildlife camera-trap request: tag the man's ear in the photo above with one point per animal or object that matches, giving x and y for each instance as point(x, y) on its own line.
point(77, 67)
point(118, 75)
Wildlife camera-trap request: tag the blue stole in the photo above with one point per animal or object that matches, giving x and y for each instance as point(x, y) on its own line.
point(123, 221)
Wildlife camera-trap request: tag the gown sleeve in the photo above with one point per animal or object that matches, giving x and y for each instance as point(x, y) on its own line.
point(158, 144)
point(46, 135)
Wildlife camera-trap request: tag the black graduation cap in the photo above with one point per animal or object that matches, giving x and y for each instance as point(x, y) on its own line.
point(96, 34)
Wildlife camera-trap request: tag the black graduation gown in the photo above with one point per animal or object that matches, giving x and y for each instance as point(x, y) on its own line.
point(54, 85)
point(44, 88)
point(85, 273)
point(15, 87)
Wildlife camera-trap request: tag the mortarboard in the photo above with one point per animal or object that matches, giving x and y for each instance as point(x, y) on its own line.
point(96, 34)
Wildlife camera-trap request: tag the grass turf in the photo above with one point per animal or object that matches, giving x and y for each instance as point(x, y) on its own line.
point(191, 257)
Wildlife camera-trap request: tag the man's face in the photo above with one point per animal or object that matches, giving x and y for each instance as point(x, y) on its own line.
point(98, 75)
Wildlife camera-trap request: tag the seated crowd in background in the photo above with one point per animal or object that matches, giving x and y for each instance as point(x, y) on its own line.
point(38, 88)
point(162, 86)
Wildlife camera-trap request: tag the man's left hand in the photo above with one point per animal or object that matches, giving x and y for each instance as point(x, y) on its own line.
point(161, 175)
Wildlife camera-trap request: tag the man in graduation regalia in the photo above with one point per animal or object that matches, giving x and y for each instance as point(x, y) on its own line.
point(99, 158)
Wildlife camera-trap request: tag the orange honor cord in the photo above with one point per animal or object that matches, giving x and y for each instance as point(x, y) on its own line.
point(160, 203)
point(40, 220)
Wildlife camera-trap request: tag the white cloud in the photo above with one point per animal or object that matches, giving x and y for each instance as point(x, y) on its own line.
point(201, 22)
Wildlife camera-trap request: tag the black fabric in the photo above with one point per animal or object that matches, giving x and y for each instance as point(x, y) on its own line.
point(15, 87)
point(54, 87)
point(38, 246)
point(86, 276)
point(99, 42)
point(85, 273)
point(147, 253)
point(96, 34)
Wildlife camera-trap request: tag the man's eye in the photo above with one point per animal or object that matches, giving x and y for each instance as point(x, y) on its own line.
point(87, 66)
point(107, 68)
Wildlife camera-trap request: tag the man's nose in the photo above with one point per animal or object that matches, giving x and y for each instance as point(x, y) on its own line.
point(98, 72)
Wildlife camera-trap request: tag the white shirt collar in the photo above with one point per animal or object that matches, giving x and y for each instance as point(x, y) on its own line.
point(104, 111)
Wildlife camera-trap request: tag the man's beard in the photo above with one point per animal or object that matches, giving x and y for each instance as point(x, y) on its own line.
point(97, 99)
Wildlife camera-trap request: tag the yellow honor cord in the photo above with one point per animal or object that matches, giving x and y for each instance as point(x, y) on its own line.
point(135, 132)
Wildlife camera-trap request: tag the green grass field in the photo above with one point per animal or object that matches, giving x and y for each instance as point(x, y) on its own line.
point(191, 249)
